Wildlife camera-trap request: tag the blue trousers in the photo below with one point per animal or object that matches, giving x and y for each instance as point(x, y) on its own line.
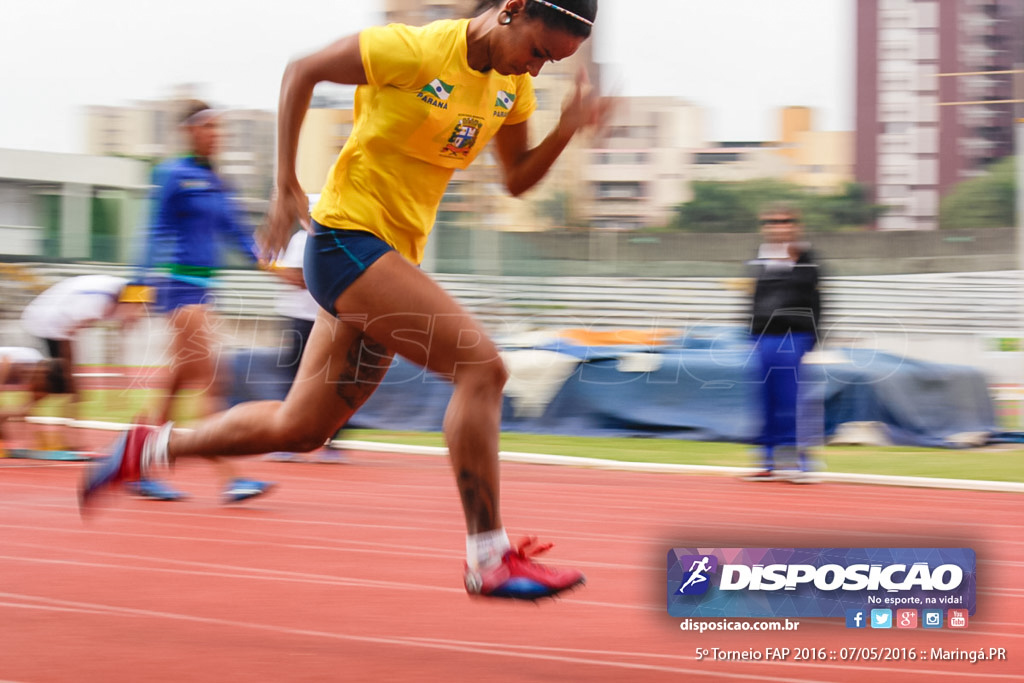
point(779, 376)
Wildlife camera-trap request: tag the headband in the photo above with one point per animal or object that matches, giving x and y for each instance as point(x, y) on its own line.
point(201, 117)
point(564, 11)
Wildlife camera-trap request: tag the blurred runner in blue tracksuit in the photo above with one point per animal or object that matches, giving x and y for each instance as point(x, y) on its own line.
point(193, 211)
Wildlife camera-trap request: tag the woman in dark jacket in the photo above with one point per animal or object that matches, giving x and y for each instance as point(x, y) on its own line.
point(785, 322)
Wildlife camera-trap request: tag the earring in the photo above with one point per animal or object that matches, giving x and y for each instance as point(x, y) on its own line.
point(504, 17)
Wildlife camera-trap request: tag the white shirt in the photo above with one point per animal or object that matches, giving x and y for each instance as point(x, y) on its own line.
point(296, 302)
point(20, 354)
point(58, 311)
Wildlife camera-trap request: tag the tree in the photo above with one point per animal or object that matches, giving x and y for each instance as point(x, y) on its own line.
point(985, 202)
point(715, 207)
point(734, 207)
point(556, 207)
point(844, 210)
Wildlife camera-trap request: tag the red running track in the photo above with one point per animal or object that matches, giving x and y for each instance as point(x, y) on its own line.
point(353, 572)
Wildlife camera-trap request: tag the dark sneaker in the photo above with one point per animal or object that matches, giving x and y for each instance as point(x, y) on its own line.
point(244, 489)
point(763, 475)
point(518, 577)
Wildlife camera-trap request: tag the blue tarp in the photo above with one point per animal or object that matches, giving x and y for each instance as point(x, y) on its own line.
point(699, 389)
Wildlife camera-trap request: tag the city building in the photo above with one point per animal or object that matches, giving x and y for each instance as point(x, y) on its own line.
point(326, 127)
point(821, 161)
point(632, 176)
point(734, 161)
point(70, 206)
point(640, 169)
point(419, 12)
point(149, 131)
point(793, 122)
point(931, 106)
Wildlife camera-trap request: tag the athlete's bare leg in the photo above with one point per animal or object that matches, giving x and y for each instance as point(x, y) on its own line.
point(413, 317)
point(194, 363)
point(329, 386)
point(392, 308)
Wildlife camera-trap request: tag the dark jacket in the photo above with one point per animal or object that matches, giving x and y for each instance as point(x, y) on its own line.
point(786, 296)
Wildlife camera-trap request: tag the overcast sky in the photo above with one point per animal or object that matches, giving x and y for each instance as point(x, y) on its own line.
point(740, 59)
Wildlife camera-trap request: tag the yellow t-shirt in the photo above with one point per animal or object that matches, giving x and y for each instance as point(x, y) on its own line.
point(423, 114)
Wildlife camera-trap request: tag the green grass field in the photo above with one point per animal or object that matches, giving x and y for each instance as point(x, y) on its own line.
point(987, 464)
point(994, 463)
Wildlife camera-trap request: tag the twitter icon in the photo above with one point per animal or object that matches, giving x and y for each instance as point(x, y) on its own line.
point(881, 618)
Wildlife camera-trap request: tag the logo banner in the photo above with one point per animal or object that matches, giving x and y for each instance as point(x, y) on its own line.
point(817, 582)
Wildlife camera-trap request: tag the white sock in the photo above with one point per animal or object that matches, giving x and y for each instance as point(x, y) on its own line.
point(486, 549)
point(154, 450)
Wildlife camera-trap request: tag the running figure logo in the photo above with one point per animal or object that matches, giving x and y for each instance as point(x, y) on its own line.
point(696, 581)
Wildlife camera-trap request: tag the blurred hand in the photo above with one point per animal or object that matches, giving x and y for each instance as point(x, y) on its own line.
point(797, 249)
point(584, 108)
point(286, 207)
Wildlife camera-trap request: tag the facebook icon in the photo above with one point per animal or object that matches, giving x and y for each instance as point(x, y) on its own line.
point(856, 618)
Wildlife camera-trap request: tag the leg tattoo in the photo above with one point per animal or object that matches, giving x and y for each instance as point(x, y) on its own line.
point(363, 372)
point(478, 501)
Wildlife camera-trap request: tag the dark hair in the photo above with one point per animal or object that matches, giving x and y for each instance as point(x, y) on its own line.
point(552, 17)
point(190, 108)
point(781, 207)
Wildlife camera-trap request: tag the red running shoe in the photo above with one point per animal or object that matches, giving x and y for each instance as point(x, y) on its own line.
point(123, 464)
point(518, 577)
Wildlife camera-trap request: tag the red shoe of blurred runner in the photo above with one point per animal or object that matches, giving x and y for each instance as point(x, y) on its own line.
point(518, 577)
point(123, 464)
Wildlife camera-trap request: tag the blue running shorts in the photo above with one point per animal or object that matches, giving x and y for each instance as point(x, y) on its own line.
point(172, 294)
point(335, 259)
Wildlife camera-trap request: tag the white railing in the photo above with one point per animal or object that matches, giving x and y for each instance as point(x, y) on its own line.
point(940, 303)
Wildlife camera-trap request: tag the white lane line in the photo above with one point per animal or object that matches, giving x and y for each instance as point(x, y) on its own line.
point(792, 494)
point(562, 534)
point(664, 468)
point(602, 464)
point(380, 549)
point(361, 499)
point(248, 573)
point(194, 568)
point(232, 572)
point(52, 608)
point(501, 649)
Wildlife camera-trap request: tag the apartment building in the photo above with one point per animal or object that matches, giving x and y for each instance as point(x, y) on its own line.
point(820, 161)
point(325, 129)
point(735, 161)
point(149, 131)
point(931, 98)
point(70, 206)
point(638, 171)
